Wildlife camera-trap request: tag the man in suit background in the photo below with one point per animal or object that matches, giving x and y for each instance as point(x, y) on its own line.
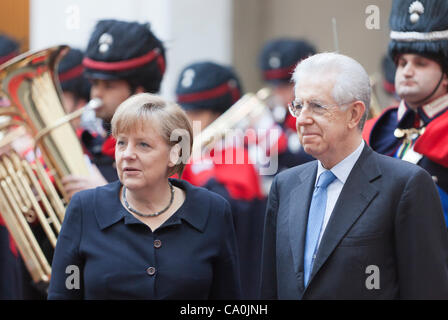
point(354, 224)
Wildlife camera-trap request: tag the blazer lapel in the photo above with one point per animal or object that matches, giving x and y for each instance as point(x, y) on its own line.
point(299, 204)
point(356, 195)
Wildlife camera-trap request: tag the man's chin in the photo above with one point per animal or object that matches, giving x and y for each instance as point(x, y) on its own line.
point(311, 150)
point(413, 101)
point(409, 95)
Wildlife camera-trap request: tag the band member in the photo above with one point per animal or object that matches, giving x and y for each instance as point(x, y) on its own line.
point(122, 58)
point(205, 90)
point(74, 84)
point(277, 61)
point(354, 224)
point(148, 236)
point(415, 130)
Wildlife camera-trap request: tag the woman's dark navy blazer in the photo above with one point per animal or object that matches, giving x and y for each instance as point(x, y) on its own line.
point(104, 252)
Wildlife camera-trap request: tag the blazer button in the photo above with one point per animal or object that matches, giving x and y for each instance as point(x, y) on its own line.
point(151, 271)
point(157, 244)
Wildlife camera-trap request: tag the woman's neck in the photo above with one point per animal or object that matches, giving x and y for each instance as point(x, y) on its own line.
point(150, 199)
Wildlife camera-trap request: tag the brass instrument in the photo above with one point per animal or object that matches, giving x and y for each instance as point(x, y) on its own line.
point(243, 114)
point(27, 192)
point(252, 115)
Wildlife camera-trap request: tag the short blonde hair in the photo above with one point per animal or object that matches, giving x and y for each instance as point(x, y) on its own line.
point(172, 122)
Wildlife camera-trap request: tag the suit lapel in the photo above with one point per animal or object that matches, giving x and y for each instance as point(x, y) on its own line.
point(355, 196)
point(299, 204)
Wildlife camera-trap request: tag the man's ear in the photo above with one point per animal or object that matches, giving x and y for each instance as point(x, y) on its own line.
point(356, 113)
point(445, 81)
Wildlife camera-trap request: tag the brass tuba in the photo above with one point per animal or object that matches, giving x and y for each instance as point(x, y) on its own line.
point(32, 190)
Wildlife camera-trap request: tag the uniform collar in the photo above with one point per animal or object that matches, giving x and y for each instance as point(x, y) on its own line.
point(194, 211)
point(434, 109)
point(427, 112)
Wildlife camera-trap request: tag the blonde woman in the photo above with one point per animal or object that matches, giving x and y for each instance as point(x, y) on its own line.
point(147, 236)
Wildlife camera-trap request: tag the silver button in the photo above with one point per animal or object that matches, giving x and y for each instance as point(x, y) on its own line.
point(151, 271)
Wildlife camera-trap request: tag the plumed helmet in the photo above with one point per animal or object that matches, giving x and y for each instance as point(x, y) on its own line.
point(420, 27)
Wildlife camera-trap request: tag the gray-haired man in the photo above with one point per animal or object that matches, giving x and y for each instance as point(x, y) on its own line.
point(354, 224)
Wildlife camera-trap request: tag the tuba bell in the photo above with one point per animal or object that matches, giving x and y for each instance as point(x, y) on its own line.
point(31, 192)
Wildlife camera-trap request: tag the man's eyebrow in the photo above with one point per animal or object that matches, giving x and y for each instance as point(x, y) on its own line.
point(316, 101)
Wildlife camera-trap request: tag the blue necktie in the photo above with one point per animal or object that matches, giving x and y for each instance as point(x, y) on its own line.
point(315, 219)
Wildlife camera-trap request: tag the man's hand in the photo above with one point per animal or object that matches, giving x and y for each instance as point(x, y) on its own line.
point(73, 184)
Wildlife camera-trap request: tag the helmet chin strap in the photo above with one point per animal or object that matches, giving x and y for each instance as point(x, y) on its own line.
point(434, 91)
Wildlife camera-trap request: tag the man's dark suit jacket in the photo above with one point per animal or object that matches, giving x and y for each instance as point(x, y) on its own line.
point(387, 215)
